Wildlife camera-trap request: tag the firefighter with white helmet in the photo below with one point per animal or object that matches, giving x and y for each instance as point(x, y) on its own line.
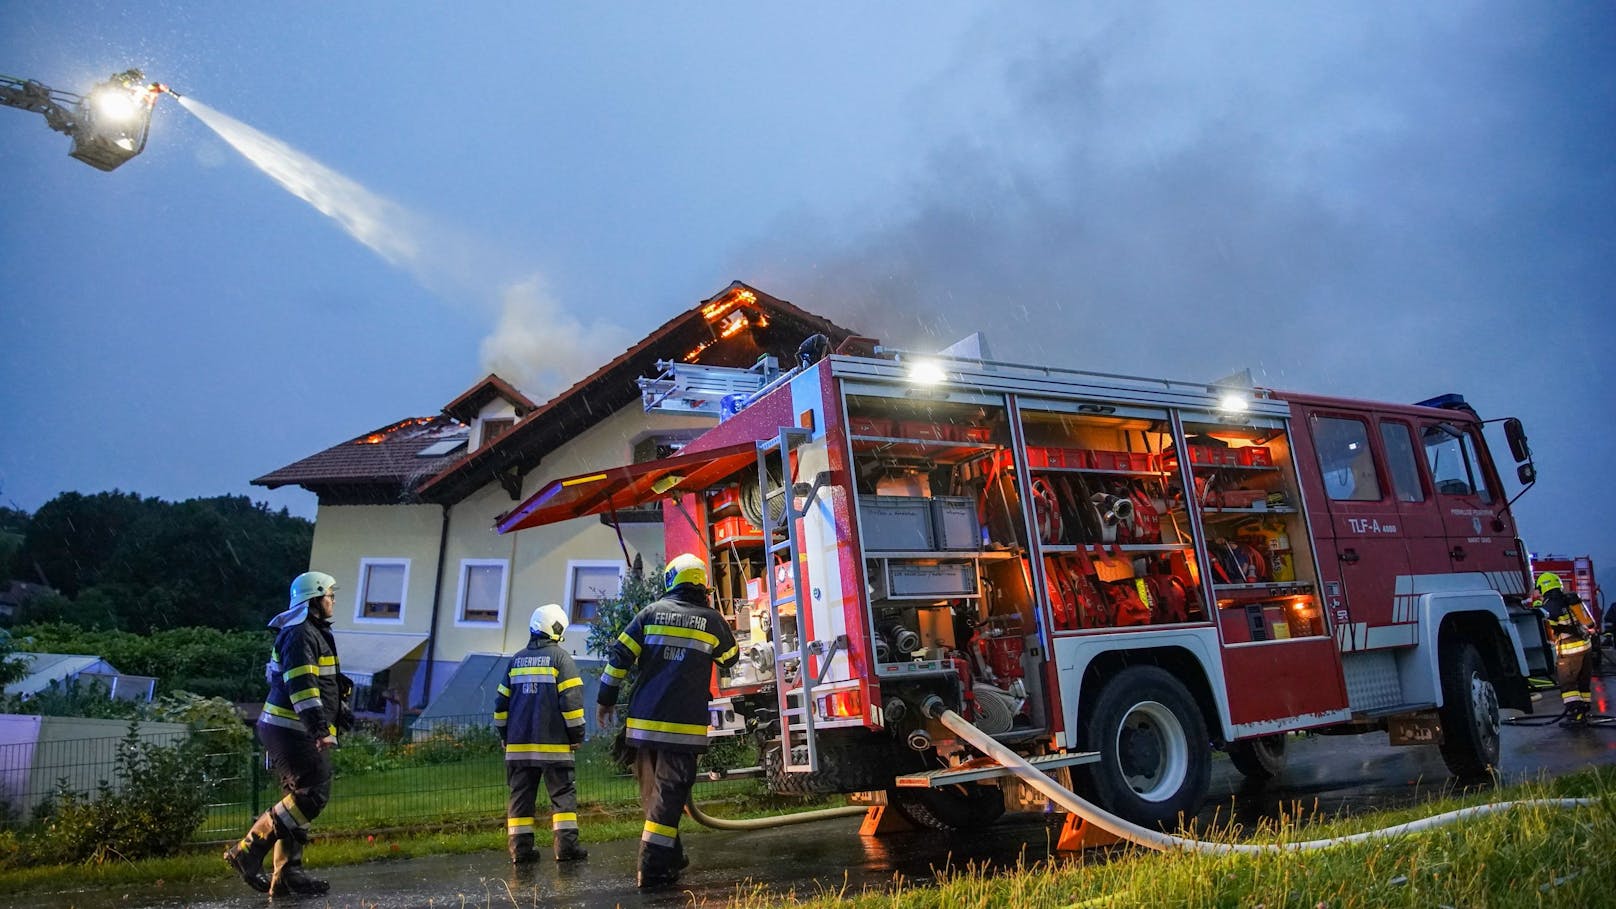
point(306, 706)
point(675, 642)
point(539, 712)
point(1572, 643)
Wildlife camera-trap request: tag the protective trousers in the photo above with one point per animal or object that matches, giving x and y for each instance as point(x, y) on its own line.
point(665, 780)
point(1575, 673)
point(560, 780)
point(304, 774)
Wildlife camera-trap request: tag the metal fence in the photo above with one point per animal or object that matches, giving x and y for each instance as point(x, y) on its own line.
point(457, 773)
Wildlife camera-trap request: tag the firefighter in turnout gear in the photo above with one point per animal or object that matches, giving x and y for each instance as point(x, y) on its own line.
point(1572, 644)
point(298, 727)
point(539, 712)
point(675, 641)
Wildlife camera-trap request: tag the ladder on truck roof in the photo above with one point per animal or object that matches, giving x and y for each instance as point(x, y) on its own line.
point(793, 680)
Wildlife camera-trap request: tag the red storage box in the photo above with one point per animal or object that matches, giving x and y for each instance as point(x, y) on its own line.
point(1242, 498)
point(871, 426)
point(1227, 457)
point(1256, 456)
point(977, 434)
point(1112, 460)
point(1041, 456)
point(736, 528)
point(1077, 457)
point(1138, 460)
point(726, 501)
point(925, 431)
point(1202, 454)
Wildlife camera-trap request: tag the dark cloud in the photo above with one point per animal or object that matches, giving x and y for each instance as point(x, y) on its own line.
point(1367, 200)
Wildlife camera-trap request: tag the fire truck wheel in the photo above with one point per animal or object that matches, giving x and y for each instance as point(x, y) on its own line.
point(950, 810)
point(1469, 714)
point(1155, 762)
point(1260, 759)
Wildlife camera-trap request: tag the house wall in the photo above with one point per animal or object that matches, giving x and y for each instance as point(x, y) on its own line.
point(536, 559)
point(346, 534)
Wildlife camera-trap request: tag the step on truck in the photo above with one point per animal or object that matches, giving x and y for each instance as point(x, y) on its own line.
point(1112, 576)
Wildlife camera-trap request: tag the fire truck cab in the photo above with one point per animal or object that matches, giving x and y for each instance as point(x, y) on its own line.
point(1111, 575)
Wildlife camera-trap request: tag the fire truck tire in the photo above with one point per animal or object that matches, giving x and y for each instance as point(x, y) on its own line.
point(842, 768)
point(1155, 761)
point(1259, 759)
point(950, 810)
point(1469, 714)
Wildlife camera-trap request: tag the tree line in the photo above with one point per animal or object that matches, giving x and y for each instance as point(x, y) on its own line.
point(122, 562)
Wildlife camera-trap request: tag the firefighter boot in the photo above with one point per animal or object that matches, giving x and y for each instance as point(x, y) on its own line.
point(659, 865)
point(246, 858)
point(522, 851)
point(1576, 714)
point(290, 878)
point(567, 847)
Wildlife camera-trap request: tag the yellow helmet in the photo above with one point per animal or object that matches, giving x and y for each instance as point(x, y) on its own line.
point(1548, 581)
point(685, 569)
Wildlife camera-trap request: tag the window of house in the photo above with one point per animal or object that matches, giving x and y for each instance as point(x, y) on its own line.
point(1455, 469)
point(589, 582)
point(1401, 461)
point(495, 427)
point(382, 583)
point(482, 592)
point(1345, 459)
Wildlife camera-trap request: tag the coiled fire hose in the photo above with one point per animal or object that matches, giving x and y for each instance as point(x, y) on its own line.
point(1156, 839)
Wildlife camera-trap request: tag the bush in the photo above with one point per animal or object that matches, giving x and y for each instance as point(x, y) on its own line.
point(364, 752)
point(446, 745)
point(161, 801)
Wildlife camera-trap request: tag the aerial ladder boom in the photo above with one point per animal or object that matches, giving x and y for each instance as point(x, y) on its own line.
point(108, 126)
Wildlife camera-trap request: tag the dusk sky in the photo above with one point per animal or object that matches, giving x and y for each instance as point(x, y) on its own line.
point(1366, 200)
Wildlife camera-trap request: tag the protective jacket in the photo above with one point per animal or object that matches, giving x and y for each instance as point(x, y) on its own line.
point(539, 707)
point(676, 641)
point(305, 685)
point(1570, 636)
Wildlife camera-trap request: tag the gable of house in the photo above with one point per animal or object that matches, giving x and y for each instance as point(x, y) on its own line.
point(409, 533)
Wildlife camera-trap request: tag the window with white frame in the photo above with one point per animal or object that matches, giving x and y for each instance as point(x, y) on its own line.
point(482, 592)
point(588, 582)
point(380, 597)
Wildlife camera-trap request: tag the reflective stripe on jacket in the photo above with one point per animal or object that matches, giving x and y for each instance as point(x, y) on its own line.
point(540, 704)
point(676, 641)
point(304, 692)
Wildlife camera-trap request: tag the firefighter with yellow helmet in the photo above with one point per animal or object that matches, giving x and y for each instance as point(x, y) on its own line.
point(539, 712)
point(306, 707)
point(675, 642)
point(1572, 643)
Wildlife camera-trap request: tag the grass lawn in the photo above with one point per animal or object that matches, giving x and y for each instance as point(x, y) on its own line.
point(1526, 857)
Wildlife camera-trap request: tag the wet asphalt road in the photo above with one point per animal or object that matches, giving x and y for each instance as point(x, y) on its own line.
point(1333, 775)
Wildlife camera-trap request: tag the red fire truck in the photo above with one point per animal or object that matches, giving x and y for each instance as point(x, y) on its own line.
point(1110, 575)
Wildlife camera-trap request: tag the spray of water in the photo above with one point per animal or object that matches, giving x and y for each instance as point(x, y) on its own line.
point(381, 224)
point(536, 344)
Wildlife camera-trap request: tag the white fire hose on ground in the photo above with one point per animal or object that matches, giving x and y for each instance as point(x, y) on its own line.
point(1156, 839)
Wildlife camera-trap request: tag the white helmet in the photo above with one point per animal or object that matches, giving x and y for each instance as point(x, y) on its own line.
point(310, 585)
point(549, 620)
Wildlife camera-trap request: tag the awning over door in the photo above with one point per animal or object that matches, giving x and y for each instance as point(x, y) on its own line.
point(626, 487)
point(362, 654)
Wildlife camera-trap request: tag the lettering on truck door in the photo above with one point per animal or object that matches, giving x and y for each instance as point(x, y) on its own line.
point(1480, 534)
point(1367, 529)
